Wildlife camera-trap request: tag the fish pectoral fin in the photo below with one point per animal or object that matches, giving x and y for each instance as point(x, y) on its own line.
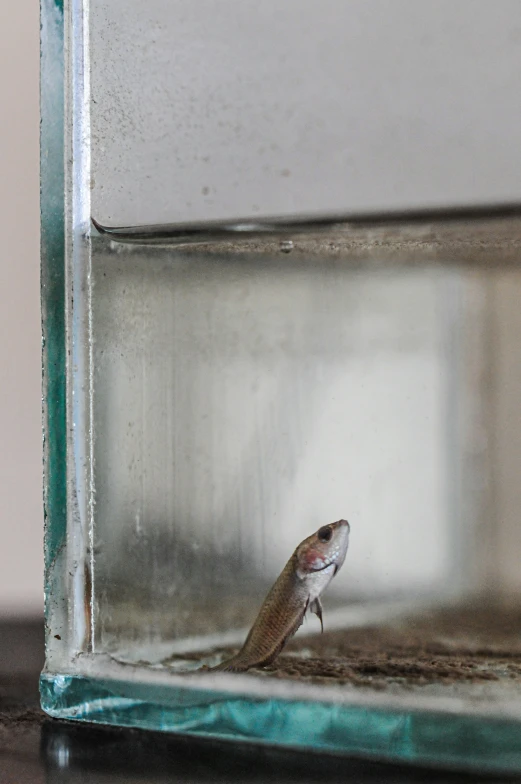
point(316, 607)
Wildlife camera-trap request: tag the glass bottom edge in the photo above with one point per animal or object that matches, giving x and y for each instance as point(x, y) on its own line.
point(462, 742)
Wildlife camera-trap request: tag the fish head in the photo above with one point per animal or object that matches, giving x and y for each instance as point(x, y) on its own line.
point(325, 548)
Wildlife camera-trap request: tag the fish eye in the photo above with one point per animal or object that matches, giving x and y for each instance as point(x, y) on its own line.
point(325, 533)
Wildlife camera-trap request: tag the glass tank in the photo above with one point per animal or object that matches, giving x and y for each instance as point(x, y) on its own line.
point(266, 329)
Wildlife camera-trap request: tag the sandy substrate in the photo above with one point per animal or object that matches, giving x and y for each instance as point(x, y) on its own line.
point(449, 647)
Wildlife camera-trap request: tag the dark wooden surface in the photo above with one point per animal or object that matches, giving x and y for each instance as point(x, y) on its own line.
point(34, 748)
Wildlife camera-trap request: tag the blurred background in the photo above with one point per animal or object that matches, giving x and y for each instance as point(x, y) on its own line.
point(21, 514)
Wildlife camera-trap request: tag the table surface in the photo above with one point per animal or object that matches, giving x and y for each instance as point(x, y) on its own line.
point(35, 748)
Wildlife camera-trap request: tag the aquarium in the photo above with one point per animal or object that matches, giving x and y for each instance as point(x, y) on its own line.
point(253, 327)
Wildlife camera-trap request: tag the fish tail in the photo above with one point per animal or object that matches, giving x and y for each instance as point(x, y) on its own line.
point(235, 664)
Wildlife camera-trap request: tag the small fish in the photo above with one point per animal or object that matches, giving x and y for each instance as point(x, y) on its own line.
point(307, 573)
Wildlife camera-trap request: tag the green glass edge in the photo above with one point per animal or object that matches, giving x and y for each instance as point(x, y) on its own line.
point(52, 216)
point(455, 741)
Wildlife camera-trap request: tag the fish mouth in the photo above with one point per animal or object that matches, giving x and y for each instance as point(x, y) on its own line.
point(326, 566)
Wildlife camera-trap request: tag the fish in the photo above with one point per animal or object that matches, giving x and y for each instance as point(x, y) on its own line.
point(298, 588)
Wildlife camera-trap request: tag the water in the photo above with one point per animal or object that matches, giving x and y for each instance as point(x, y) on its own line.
point(240, 403)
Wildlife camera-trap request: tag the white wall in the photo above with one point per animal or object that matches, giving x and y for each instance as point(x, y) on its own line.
point(245, 108)
point(21, 515)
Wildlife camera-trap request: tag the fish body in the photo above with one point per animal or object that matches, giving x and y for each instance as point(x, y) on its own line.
point(298, 588)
